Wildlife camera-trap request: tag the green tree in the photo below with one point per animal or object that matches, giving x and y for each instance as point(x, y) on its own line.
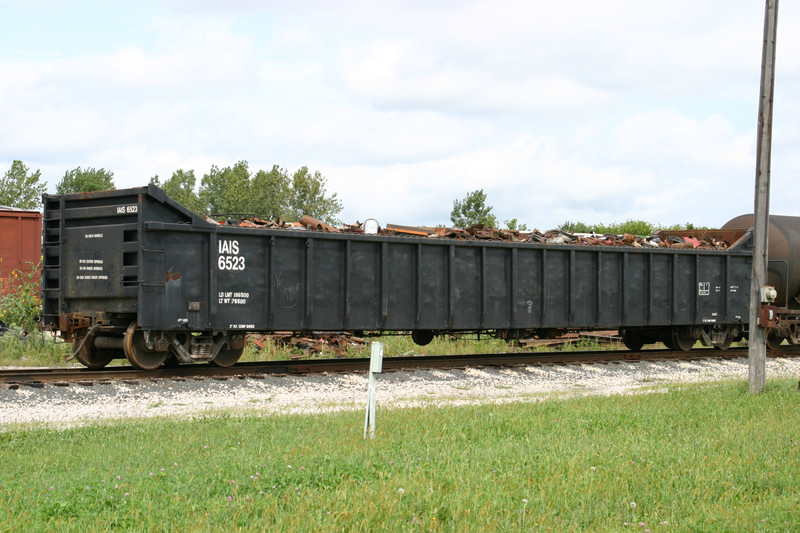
point(236, 190)
point(226, 190)
point(180, 187)
point(472, 210)
point(575, 227)
point(308, 197)
point(514, 225)
point(682, 227)
point(269, 193)
point(85, 180)
point(636, 227)
point(20, 188)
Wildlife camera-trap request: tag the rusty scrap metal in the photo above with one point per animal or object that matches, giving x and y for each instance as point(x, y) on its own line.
point(410, 230)
point(310, 345)
point(703, 239)
point(314, 224)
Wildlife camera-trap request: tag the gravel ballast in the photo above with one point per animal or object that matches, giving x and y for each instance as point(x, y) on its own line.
point(79, 404)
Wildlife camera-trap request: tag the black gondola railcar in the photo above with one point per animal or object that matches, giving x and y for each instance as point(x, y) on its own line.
point(132, 273)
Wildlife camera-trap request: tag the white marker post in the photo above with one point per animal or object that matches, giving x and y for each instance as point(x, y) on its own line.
point(375, 367)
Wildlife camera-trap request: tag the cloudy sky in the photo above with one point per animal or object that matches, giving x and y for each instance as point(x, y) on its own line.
point(580, 110)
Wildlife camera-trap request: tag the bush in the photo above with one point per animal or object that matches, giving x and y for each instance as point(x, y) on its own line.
point(21, 306)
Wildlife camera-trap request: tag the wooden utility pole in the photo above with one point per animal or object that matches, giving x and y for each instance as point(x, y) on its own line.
point(758, 335)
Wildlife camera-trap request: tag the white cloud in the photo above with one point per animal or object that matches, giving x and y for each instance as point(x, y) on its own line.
point(405, 75)
point(580, 110)
point(667, 138)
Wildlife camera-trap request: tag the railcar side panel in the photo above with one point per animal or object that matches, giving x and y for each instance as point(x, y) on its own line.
point(401, 277)
point(527, 285)
point(584, 289)
point(433, 289)
point(635, 289)
point(683, 281)
point(738, 287)
point(556, 287)
point(659, 293)
point(609, 278)
point(365, 277)
point(467, 287)
point(497, 288)
point(327, 290)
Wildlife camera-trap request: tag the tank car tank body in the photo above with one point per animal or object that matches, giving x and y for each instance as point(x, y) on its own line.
point(783, 272)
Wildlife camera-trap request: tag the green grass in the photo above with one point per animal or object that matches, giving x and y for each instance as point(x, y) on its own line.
point(43, 350)
point(35, 349)
point(697, 458)
point(40, 349)
point(394, 346)
point(402, 345)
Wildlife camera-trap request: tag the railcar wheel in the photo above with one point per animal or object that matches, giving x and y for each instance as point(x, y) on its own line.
point(226, 358)
point(774, 340)
point(171, 361)
point(681, 339)
point(232, 352)
point(725, 344)
point(794, 334)
point(731, 334)
point(422, 337)
point(137, 353)
point(720, 337)
point(634, 341)
point(90, 356)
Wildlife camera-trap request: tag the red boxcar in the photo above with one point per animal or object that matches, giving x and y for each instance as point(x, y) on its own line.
point(20, 246)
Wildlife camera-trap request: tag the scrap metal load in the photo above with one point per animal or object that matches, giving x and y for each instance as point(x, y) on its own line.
point(310, 344)
point(707, 239)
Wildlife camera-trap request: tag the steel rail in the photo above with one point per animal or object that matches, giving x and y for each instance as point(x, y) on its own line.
point(39, 376)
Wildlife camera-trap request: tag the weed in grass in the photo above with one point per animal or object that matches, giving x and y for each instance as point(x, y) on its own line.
point(20, 308)
point(20, 299)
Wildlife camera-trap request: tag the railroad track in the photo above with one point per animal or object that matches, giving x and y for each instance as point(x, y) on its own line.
point(38, 377)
